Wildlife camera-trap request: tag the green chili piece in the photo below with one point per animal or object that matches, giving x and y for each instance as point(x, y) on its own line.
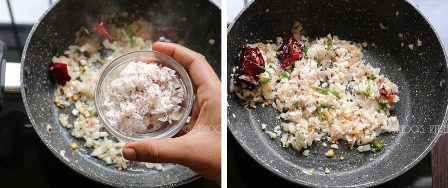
point(336, 94)
point(320, 90)
point(372, 77)
point(129, 32)
point(130, 35)
point(262, 82)
point(383, 105)
point(133, 42)
point(302, 140)
point(295, 105)
point(305, 50)
point(57, 52)
point(329, 42)
point(327, 106)
point(368, 90)
point(284, 74)
point(376, 145)
point(319, 113)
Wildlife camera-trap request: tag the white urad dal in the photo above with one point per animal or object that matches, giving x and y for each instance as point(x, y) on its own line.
point(141, 95)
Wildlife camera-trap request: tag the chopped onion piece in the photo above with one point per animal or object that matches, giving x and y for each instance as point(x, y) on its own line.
point(86, 113)
point(108, 160)
point(75, 112)
point(78, 134)
point(121, 144)
point(103, 134)
point(159, 167)
point(364, 148)
point(96, 152)
point(107, 143)
point(89, 142)
point(124, 163)
point(113, 153)
point(95, 135)
point(150, 165)
point(63, 155)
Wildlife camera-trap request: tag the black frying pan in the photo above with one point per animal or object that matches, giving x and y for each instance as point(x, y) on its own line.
point(197, 21)
point(421, 75)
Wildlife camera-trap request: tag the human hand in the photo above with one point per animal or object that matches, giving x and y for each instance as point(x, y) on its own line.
point(199, 152)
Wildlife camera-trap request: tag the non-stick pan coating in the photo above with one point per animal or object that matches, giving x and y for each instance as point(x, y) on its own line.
point(197, 23)
point(419, 73)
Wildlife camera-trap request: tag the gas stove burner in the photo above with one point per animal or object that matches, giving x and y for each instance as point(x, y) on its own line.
point(12, 145)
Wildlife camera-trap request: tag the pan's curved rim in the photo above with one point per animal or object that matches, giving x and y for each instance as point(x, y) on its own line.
point(52, 149)
point(367, 184)
point(238, 16)
point(215, 3)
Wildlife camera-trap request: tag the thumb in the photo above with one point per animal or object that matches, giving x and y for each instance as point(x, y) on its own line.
point(173, 150)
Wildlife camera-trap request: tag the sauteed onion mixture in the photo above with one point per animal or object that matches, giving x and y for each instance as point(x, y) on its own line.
point(323, 88)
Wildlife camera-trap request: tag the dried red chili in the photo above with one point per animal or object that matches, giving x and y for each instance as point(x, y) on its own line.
point(252, 60)
point(101, 28)
point(292, 50)
point(251, 66)
point(60, 73)
point(385, 94)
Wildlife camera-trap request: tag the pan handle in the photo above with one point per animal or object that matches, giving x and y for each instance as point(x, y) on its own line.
point(3, 51)
point(9, 80)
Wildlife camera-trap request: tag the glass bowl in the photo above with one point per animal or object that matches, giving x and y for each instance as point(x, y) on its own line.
point(111, 72)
